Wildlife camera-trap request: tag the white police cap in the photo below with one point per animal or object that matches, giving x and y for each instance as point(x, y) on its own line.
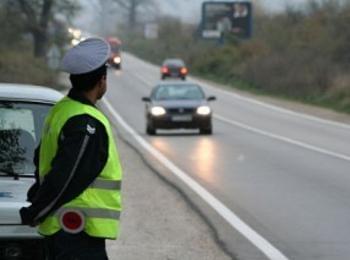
point(87, 56)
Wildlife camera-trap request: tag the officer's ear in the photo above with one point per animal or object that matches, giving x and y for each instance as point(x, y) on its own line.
point(103, 79)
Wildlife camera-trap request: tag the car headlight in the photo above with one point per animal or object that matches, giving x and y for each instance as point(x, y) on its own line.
point(117, 60)
point(75, 42)
point(203, 110)
point(158, 111)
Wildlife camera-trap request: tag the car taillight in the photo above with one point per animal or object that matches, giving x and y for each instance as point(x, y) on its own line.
point(184, 70)
point(165, 70)
point(72, 221)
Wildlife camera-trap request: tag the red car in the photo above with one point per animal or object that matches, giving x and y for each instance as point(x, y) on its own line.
point(174, 68)
point(115, 60)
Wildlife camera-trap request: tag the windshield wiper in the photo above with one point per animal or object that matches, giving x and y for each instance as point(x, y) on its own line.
point(15, 175)
point(9, 173)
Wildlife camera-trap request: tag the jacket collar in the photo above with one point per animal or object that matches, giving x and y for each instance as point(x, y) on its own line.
point(78, 96)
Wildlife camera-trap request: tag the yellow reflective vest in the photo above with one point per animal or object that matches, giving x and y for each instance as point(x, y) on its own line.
point(100, 203)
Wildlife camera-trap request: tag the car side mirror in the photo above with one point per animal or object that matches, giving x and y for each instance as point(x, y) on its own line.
point(211, 98)
point(146, 99)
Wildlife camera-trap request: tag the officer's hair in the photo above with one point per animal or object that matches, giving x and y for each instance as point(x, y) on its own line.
point(87, 81)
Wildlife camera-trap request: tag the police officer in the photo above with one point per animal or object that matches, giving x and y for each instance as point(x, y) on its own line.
point(76, 201)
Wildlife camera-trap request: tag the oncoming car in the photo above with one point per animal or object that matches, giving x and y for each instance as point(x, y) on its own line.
point(22, 112)
point(174, 68)
point(176, 105)
point(115, 60)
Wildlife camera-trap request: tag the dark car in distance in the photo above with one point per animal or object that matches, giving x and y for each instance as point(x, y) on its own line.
point(178, 105)
point(115, 60)
point(174, 68)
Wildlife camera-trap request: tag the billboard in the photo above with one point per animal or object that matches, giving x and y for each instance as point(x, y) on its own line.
point(220, 18)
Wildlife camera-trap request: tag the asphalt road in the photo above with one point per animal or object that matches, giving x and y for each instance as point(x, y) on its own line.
point(284, 174)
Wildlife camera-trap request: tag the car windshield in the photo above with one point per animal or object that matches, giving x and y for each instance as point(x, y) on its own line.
point(175, 92)
point(174, 62)
point(115, 48)
point(20, 131)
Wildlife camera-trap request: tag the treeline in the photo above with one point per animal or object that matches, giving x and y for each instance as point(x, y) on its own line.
point(299, 54)
point(28, 30)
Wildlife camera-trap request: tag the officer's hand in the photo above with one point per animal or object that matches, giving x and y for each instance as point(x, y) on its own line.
point(32, 191)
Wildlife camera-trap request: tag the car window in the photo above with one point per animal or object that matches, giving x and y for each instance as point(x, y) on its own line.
point(115, 49)
point(20, 131)
point(174, 62)
point(173, 92)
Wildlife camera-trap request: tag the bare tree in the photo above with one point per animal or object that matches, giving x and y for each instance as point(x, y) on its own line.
point(132, 7)
point(37, 15)
point(37, 21)
point(105, 14)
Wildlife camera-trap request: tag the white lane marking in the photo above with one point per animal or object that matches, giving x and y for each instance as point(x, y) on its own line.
point(261, 243)
point(284, 139)
point(260, 103)
point(271, 135)
point(275, 136)
point(148, 82)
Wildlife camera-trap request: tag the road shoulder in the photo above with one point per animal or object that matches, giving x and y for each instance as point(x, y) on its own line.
point(157, 223)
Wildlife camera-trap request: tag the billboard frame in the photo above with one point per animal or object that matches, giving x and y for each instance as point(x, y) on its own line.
point(217, 34)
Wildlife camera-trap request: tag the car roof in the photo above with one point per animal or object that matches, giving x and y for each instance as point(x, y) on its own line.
point(28, 93)
point(179, 83)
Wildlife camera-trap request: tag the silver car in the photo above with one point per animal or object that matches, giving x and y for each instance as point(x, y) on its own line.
point(178, 105)
point(23, 109)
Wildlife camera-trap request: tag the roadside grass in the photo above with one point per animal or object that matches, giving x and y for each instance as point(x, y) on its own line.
point(337, 101)
point(21, 67)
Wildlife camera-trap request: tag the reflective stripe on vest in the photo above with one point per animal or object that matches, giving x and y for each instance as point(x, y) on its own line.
point(92, 213)
point(106, 184)
point(101, 184)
